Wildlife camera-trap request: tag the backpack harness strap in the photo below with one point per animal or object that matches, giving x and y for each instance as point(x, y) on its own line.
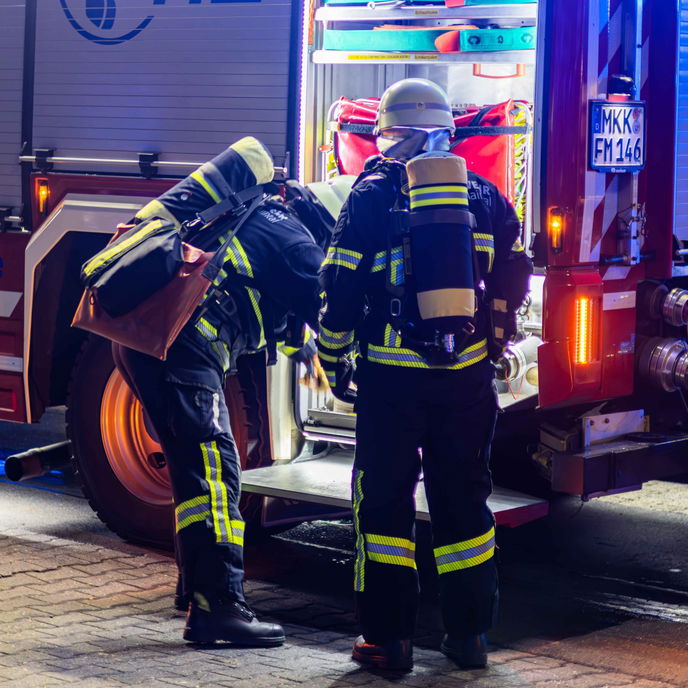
point(400, 228)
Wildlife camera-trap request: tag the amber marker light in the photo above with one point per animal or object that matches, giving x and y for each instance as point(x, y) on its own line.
point(584, 331)
point(555, 229)
point(42, 195)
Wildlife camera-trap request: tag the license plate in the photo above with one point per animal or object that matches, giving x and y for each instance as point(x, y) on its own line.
point(617, 136)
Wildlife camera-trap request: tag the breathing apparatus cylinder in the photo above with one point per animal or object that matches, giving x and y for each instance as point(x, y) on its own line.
point(244, 164)
point(442, 246)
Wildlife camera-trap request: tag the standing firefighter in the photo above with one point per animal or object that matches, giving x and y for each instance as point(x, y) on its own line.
point(422, 253)
point(271, 268)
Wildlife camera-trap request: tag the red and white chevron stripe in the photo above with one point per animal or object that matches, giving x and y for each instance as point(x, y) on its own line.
point(606, 195)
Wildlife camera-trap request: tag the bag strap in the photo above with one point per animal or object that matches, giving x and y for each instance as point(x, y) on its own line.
point(212, 269)
point(234, 202)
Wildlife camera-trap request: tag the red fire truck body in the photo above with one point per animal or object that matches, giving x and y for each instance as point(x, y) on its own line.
point(105, 107)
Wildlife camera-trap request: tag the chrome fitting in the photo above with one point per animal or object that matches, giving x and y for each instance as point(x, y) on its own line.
point(519, 357)
point(664, 362)
point(675, 308)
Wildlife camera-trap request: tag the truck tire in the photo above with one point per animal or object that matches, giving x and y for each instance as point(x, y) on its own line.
point(120, 466)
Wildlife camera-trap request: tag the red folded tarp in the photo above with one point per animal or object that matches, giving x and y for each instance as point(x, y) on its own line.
point(484, 137)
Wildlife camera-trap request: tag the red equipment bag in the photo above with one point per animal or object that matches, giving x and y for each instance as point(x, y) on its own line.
point(492, 139)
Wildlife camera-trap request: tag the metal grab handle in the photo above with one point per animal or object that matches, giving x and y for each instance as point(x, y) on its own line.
point(59, 160)
point(478, 71)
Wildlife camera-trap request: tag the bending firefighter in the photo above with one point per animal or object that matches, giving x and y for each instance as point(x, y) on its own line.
point(423, 279)
point(271, 268)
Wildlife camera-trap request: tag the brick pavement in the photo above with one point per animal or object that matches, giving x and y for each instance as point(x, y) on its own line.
point(76, 614)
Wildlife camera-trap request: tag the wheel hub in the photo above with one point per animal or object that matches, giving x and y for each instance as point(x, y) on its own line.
point(133, 454)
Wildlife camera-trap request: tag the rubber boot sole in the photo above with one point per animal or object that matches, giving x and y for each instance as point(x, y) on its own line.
point(205, 638)
point(381, 662)
point(452, 654)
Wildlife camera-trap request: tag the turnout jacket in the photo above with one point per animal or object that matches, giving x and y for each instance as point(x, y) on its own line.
point(354, 273)
point(271, 269)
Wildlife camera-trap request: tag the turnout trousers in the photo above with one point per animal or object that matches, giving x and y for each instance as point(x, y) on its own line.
point(441, 422)
point(184, 399)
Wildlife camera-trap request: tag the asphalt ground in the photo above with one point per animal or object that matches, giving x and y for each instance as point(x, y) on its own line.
point(594, 595)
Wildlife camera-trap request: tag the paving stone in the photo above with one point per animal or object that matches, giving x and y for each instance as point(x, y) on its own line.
point(91, 617)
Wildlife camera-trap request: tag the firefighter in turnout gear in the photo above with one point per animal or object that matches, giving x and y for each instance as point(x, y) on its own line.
point(271, 268)
point(422, 282)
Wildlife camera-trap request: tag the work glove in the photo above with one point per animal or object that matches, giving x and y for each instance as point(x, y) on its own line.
point(303, 354)
point(340, 376)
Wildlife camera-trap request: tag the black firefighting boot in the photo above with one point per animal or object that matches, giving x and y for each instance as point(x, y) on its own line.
point(217, 619)
point(181, 601)
point(468, 651)
point(395, 655)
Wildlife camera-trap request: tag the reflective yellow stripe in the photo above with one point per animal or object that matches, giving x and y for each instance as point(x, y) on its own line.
point(326, 357)
point(359, 566)
point(198, 176)
point(335, 340)
point(191, 511)
point(342, 256)
point(465, 544)
point(121, 246)
point(465, 554)
point(254, 298)
point(439, 189)
point(490, 255)
point(408, 358)
point(206, 329)
point(218, 491)
point(439, 201)
point(222, 353)
point(192, 518)
point(237, 532)
point(237, 256)
point(391, 550)
point(157, 209)
point(379, 261)
point(392, 338)
point(242, 253)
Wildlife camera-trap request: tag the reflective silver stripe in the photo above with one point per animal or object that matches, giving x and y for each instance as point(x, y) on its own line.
point(218, 491)
point(465, 554)
point(359, 565)
point(380, 259)
point(344, 257)
point(192, 511)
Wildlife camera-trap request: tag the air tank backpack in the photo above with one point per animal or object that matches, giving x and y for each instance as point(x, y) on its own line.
point(146, 284)
point(435, 307)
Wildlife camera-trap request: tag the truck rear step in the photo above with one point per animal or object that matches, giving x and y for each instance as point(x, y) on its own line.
point(328, 481)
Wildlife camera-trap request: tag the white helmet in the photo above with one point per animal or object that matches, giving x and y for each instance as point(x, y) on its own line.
point(416, 104)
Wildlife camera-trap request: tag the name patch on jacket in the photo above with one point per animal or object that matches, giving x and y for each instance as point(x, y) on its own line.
point(479, 192)
point(273, 215)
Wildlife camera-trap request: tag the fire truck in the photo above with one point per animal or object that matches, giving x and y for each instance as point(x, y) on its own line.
point(105, 104)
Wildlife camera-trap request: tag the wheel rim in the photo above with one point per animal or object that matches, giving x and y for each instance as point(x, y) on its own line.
point(130, 449)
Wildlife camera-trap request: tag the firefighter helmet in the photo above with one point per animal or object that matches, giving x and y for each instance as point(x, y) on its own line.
point(414, 104)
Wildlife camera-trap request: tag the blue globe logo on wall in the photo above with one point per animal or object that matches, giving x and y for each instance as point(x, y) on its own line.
point(97, 20)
